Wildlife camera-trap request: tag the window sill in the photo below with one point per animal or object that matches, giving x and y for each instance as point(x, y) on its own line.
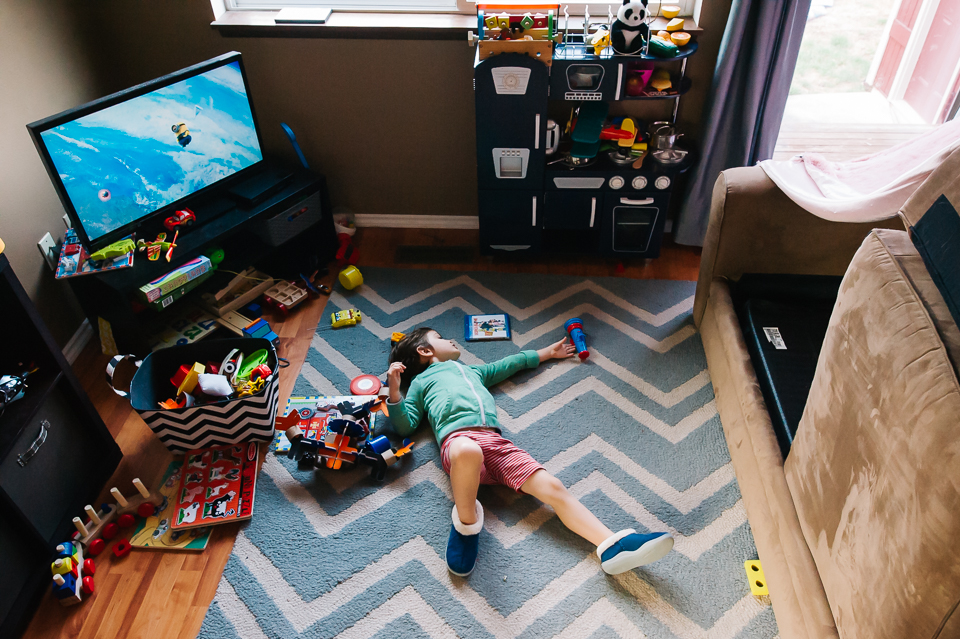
point(373, 26)
point(342, 24)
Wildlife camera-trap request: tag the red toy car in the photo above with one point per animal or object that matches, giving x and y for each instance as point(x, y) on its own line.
point(180, 218)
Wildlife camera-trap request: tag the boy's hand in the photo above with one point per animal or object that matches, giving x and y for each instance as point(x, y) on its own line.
point(561, 350)
point(393, 381)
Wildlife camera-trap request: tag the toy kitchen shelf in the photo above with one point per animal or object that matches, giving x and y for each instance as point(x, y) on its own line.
point(531, 200)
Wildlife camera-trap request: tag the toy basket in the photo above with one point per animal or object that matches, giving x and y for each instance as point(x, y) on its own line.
point(228, 421)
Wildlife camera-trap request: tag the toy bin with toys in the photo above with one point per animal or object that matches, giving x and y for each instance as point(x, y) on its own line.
point(209, 393)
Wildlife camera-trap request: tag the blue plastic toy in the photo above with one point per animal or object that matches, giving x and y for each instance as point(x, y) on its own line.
point(574, 328)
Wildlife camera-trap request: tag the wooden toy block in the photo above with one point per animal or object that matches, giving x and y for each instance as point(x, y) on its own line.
point(526, 21)
point(396, 337)
point(539, 21)
point(144, 502)
point(491, 22)
point(503, 21)
point(122, 548)
point(758, 581)
point(62, 566)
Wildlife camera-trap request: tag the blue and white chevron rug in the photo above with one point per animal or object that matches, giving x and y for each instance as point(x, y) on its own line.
point(633, 432)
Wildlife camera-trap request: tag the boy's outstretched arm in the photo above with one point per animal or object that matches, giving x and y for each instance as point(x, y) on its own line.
point(405, 412)
point(496, 372)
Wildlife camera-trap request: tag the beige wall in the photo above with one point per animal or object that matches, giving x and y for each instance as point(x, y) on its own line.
point(43, 70)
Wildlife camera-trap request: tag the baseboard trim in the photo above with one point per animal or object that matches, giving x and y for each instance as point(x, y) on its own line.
point(78, 342)
point(417, 221)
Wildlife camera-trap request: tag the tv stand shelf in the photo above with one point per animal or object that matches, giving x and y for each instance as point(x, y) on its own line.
point(233, 228)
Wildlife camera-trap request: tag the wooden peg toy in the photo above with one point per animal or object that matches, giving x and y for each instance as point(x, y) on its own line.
point(142, 504)
point(96, 526)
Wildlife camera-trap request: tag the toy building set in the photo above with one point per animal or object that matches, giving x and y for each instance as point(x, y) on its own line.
point(337, 433)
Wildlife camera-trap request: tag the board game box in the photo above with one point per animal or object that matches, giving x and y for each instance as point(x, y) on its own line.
point(217, 486)
point(486, 327)
point(155, 532)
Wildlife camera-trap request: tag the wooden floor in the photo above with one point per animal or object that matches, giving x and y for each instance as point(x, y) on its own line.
point(165, 595)
point(838, 142)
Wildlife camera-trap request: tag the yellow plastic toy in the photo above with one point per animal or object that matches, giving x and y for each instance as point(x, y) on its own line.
point(758, 581)
point(348, 317)
point(351, 278)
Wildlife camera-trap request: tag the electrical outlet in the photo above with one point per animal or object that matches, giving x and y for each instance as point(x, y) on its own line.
point(49, 250)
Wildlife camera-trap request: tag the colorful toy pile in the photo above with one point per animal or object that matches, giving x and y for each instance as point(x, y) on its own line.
point(335, 436)
point(236, 376)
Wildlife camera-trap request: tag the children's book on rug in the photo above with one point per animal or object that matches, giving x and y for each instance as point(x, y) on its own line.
point(217, 486)
point(155, 531)
point(477, 328)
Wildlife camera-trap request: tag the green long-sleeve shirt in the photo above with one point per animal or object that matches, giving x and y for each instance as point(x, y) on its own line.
point(454, 396)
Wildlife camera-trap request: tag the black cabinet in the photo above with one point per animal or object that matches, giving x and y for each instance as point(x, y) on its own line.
point(511, 222)
point(73, 455)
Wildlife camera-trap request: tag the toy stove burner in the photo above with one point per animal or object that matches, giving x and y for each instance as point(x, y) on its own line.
point(575, 163)
point(622, 160)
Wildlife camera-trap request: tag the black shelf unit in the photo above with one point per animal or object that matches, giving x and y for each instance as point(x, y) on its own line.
point(38, 499)
point(530, 202)
point(224, 223)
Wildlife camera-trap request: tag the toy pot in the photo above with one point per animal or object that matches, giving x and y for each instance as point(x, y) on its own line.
point(351, 278)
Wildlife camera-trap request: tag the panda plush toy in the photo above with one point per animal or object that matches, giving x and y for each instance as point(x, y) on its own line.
point(630, 32)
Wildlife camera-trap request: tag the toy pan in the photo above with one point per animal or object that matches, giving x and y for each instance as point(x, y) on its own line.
point(151, 384)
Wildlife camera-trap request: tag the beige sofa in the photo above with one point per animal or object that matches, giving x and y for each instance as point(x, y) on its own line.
point(858, 531)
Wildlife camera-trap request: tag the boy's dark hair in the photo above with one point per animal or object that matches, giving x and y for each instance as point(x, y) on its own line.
point(405, 352)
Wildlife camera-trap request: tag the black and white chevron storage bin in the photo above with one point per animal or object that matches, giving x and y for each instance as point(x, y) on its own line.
point(229, 421)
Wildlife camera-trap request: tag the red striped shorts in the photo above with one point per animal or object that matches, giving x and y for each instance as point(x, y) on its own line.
point(503, 462)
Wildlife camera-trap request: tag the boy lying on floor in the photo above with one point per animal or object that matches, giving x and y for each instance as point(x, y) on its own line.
point(463, 416)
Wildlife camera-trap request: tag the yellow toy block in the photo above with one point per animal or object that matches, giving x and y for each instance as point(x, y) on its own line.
point(190, 381)
point(503, 21)
point(491, 22)
point(396, 337)
point(758, 581)
point(62, 566)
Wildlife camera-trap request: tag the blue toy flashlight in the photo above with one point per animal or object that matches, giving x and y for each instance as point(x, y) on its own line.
point(574, 328)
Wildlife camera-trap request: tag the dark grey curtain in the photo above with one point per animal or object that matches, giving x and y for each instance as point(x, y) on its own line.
point(751, 82)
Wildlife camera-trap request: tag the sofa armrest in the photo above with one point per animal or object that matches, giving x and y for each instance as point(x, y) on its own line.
point(755, 228)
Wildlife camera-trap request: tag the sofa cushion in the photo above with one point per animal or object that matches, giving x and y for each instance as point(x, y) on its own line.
point(874, 471)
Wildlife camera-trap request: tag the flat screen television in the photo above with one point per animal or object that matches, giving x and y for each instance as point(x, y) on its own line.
point(124, 159)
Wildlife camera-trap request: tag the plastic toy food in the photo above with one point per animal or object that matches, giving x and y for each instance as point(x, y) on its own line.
point(680, 38)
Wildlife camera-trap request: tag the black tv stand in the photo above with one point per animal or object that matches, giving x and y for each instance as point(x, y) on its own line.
point(222, 223)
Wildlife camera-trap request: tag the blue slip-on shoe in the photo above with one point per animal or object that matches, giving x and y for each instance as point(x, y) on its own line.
point(628, 549)
point(464, 544)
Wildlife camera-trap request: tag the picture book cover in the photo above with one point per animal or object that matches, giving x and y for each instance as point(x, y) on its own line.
point(313, 413)
point(486, 327)
point(155, 532)
point(217, 486)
